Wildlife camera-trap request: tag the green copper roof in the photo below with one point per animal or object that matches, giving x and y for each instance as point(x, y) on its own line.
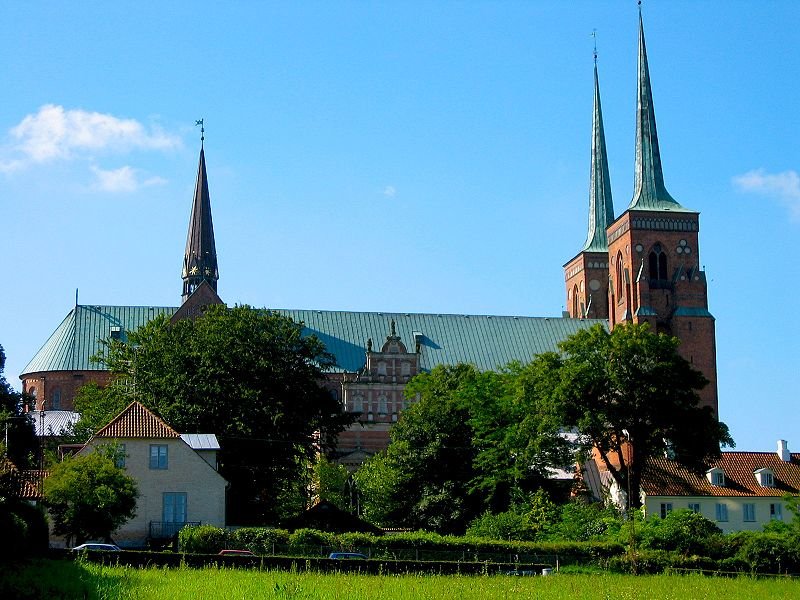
point(488, 342)
point(649, 192)
point(76, 339)
point(601, 207)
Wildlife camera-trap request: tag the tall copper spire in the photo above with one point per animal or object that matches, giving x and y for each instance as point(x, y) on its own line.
point(200, 260)
point(649, 192)
point(601, 208)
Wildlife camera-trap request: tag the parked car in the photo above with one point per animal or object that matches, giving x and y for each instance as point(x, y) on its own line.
point(347, 556)
point(96, 546)
point(235, 553)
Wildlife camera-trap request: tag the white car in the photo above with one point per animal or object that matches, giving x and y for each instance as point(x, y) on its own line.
point(96, 546)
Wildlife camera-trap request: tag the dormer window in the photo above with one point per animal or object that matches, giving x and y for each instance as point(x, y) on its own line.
point(765, 477)
point(716, 476)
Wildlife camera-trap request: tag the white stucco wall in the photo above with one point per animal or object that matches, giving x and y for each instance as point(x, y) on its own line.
point(186, 472)
point(735, 506)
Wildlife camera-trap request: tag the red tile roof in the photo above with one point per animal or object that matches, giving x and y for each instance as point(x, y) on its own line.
point(136, 421)
point(26, 485)
point(664, 477)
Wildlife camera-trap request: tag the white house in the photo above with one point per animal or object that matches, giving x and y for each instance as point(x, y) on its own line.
point(176, 475)
point(740, 491)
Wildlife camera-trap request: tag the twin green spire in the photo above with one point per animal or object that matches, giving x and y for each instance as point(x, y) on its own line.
point(649, 191)
point(601, 207)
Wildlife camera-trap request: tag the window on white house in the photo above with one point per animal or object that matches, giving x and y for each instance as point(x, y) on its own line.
point(718, 478)
point(666, 508)
point(173, 507)
point(159, 456)
point(768, 479)
point(776, 511)
point(748, 512)
point(722, 512)
point(694, 507)
point(119, 459)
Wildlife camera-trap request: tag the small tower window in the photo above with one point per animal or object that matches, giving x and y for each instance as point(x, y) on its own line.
point(657, 263)
point(575, 313)
point(619, 271)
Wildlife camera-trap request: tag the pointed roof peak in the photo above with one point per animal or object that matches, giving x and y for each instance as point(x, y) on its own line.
point(649, 190)
point(136, 421)
point(200, 258)
point(601, 207)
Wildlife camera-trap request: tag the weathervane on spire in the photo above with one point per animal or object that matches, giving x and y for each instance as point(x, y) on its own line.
point(594, 35)
point(202, 130)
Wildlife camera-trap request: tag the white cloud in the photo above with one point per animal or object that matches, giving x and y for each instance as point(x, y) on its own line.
point(123, 180)
point(389, 191)
point(58, 133)
point(784, 186)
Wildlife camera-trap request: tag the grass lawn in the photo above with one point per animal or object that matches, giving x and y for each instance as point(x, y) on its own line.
point(63, 579)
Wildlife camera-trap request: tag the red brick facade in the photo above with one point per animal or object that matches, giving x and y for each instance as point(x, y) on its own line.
point(653, 276)
point(55, 390)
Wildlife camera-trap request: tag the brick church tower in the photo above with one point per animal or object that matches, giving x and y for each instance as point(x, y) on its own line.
point(654, 273)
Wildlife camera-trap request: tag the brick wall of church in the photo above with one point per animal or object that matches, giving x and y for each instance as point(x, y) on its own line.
point(56, 390)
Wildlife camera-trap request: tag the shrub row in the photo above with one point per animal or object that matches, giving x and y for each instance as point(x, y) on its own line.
point(412, 545)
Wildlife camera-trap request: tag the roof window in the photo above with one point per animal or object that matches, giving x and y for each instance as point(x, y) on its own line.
point(716, 476)
point(765, 477)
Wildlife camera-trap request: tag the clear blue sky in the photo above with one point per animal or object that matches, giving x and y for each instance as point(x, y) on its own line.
point(397, 156)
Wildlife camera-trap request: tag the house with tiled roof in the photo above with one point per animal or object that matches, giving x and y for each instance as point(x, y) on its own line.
point(740, 491)
point(643, 266)
point(176, 475)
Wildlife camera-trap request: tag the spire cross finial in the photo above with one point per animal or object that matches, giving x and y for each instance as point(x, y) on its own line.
point(202, 130)
point(594, 35)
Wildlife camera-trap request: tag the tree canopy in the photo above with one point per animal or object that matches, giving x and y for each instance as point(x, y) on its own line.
point(89, 496)
point(472, 441)
point(17, 426)
point(631, 397)
point(250, 377)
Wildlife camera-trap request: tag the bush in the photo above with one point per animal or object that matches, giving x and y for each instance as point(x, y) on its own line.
point(770, 553)
point(24, 530)
point(682, 531)
point(508, 525)
point(259, 540)
point(581, 521)
point(301, 539)
point(202, 539)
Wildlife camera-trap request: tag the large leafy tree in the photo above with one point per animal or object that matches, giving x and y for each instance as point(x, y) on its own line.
point(250, 377)
point(16, 426)
point(472, 441)
point(423, 479)
point(631, 396)
point(89, 496)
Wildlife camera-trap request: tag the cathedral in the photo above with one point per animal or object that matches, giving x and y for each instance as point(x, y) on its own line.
point(642, 266)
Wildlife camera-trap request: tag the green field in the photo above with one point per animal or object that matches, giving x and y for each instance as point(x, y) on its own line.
point(64, 579)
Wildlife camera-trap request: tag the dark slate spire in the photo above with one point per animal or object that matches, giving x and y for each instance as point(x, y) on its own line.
point(200, 260)
point(649, 192)
point(601, 208)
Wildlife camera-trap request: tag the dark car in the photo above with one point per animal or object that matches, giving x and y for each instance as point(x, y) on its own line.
point(347, 556)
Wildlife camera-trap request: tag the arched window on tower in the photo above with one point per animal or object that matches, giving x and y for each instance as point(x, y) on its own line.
point(618, 275)
point(657, 264)
point(575, 302)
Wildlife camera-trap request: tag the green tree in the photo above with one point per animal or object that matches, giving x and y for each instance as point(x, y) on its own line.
point(17, 436)
point(97, 406)
point(89, 496)
point(631, 385)
point(250, 377)
point(471, 441)
point(332, 481)
point(423, 479)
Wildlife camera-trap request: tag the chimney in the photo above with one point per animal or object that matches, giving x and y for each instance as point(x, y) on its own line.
point(783, 451)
